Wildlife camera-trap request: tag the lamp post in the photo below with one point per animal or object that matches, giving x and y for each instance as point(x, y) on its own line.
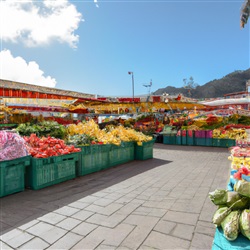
point(131, 73)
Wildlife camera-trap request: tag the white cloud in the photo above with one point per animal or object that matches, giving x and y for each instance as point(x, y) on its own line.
point(17, 69)
point(96, 3)
point(37, 23)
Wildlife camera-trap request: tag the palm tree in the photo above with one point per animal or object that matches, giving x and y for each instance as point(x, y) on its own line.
point(244, 13)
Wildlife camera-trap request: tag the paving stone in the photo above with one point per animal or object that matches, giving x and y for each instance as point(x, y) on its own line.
point(113, 196)
point(28, 225)
point(179, 217)
point(52, 218)
point(124, 200)
point(39, 228)
point(101, 194)
point(113, 220)
point(67, 211)
point(97, 219)
point(183, 231)
point(78, 204)
point(68, 223)
point(103, 202)
point(53, 235)
point(115, 236)
point(110, 209)
point(93, 208)
point(157, 212)
point(20, 239)
point(162, 204)
point(3, 246)
point(47, 232)
point(93, 240)
point(105, 247)
point(89, 199)
point(10, 235)
point(202, 241)
point(162, 241)
point(84, 228)
point(144, 224)
point(66, 242)
point(137, 201)
point(82, 215)
point(206, 228)
point(143, 197)
point(143, 210)
point(128, 208)
point(165, 227)
point(35, 244)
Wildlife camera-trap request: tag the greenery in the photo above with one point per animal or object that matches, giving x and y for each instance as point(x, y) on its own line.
point(44, 128)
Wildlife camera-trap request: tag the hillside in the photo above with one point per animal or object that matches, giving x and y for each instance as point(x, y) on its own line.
point(233, 82)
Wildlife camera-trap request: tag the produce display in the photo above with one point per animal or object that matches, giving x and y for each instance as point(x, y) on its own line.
point(82, 140)
point(233, 213)
point(12, 146)
point(45, 128)
point(230, 133)
point(47, 146)
point(108, 135)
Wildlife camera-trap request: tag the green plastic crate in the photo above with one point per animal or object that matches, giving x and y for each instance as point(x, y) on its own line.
point(121, 154)
point(93, 158)
point(169, 139)
point(231, 142)
point(12, 175)
point(209, 142)
point(190, 137)
point(200, 141)
point(183, 137)
point(145, 151)
point(178, 140)
point(223, 143)
point(44, 172)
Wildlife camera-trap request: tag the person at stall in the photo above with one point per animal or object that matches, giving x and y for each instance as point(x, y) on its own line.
point(166, 119)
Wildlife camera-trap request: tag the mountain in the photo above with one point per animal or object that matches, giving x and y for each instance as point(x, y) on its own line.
point(233, 82)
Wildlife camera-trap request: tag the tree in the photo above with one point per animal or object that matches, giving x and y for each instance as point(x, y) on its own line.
point(190, 84)
point(244, 13)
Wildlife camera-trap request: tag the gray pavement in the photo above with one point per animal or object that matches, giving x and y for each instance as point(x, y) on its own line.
point(161, 203)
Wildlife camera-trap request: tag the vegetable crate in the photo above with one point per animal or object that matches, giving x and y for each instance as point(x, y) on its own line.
point(224, 143)
point(190, 137)
point(178, 140)
point(121, 154)
point(12, 175)
point(169, 139)
point(184, 137)
point(44, 172)
point(145, 151)
point(93, 158)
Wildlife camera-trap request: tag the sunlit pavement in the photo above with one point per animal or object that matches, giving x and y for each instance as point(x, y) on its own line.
point(161, 203)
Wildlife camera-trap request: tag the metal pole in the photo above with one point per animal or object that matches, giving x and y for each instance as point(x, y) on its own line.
point(132, 73)
point(133, 86)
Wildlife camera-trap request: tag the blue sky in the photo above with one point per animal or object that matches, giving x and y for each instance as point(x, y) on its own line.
point(165, 41)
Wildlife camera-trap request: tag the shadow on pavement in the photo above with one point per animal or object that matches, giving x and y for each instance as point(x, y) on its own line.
point(189, 148)
point(20, 208)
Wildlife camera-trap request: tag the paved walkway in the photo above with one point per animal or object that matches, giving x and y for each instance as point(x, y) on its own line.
point(161, 203)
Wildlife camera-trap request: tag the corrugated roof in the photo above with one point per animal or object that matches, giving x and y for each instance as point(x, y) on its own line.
point(30, 87)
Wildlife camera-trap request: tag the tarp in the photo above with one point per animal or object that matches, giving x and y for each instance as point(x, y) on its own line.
point(227, 101)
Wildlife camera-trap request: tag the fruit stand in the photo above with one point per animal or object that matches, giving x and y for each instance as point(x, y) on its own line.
point(30, 157)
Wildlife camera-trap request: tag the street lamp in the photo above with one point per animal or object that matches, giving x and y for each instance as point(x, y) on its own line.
point(131, 73)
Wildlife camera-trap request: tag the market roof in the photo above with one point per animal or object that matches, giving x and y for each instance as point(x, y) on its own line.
point(6, 84)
